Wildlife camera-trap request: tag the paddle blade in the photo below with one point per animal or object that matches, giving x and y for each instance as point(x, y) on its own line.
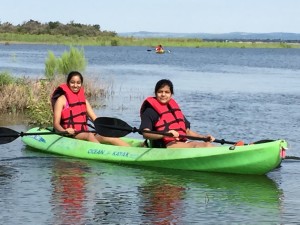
point(263, 141)
point(8, 135)
point(112, 127)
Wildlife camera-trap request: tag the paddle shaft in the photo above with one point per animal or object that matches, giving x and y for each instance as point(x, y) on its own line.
point(21, 134)
point(128, 129)
point(222, 141)
point(8, 135)
point(149, 50)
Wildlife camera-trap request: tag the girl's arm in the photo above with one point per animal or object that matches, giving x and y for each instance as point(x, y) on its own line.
point(90, 111)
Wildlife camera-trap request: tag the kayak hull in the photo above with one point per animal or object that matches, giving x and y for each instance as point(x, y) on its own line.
point(248, 159)
point(160, 51)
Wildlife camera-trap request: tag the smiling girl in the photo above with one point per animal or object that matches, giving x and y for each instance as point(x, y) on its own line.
point(71, 111)
point(162, 113)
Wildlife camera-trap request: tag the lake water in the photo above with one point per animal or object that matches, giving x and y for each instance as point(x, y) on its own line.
point(235, 94)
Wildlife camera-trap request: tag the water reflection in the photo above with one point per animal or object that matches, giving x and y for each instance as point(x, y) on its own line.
point(162, 201)
point(68, 192)
point(6, 174)
point(91, 192)
point(13, 119)
point(189, 197)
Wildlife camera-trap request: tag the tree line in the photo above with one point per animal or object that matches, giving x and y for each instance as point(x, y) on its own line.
point(55, 28)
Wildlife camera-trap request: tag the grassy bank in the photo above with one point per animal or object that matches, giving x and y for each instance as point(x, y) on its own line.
point(31, 97)
point(10, 38)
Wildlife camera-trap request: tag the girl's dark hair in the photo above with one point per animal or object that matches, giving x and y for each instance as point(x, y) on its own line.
point(164, 82)
point(72, 74)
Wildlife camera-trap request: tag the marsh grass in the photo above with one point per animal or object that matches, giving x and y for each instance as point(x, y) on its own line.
point(50, 65)
point(132, 41)
point(71, 60)
point(12, 98)
point(32, 98)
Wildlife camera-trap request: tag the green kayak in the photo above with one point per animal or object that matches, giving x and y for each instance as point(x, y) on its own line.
point(247, 159)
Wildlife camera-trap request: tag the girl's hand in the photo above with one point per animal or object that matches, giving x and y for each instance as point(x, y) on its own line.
point(210, 138)
point(175, 134)
point(71, 131)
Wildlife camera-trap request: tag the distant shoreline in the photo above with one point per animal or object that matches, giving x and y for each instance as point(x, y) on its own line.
point(6, 39)
point(231, 36)
point(57, 33)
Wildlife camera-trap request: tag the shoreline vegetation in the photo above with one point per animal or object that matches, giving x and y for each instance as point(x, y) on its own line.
point(56, 33)
point(9, 38)
point(31, 97)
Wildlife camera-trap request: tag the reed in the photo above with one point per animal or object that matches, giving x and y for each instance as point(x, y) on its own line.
point(71, 60)
point(50, 65)
point(6, 79)
point(32, 97)
point(39, 108)
point(12, 94)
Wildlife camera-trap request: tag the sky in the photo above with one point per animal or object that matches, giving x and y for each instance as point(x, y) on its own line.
point(175, 16)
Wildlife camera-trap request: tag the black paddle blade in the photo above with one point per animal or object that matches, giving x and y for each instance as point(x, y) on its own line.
point(112, 127)
point(263, 141)
point(8, 135)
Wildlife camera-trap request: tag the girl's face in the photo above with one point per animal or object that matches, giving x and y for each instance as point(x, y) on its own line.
point(164, 95)
point(75, 84)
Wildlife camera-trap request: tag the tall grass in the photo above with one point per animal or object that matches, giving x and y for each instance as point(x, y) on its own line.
point(32, 97)
point(131, 41)
point(39, 108)
point(72, 60)
point(6, 79)
point(50, 65)
point(69, 61)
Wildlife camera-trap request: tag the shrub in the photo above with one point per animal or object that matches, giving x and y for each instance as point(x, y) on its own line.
point(114, 42)
point(50, 66)
point(72, 60)
point(69, 61)
point(6, 78)
point(35, 100)
point(39, 106)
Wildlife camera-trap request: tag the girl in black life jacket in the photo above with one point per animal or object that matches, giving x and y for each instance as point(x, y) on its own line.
point(162, 113)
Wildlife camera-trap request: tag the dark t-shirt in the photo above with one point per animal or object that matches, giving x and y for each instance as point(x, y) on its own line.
point(148, 119)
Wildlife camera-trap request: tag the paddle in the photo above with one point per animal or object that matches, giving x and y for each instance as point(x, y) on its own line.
point(113, 127)
point(8, 135)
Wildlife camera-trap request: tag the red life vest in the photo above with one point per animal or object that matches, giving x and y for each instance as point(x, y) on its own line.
point(170, 117)
point(74, 114)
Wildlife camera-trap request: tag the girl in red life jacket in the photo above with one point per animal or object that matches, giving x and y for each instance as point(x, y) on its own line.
point(162, 113)
point(71, 110)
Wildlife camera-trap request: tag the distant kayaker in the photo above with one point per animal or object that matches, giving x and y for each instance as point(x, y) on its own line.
point(71, 111)
point(159, 48)
point(162, 113)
